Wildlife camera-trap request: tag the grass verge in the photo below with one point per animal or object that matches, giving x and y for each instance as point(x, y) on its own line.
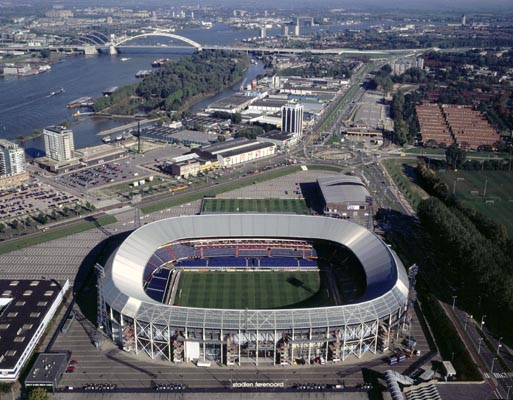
point(397, 170)
point(447, 338)
point(55, 234)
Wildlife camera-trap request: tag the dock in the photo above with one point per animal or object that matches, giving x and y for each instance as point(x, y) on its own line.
point(85, 101)
point(131, 126)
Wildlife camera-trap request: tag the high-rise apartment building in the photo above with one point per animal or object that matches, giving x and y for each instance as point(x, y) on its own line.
point(292, 119)
point(12, 159)
point(59, 145)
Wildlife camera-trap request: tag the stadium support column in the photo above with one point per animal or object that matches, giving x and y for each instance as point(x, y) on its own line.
point(221, 346)
point(275, 344)
point(292, 347)
point(344, 343)
point(151, 341)
point(169, 352)
point(389, 329)
point(362, 327)
point(256, 347)
point(240, 337)
point(327, 343)
point(310, 346)
point(136, 340)
point(376, 337)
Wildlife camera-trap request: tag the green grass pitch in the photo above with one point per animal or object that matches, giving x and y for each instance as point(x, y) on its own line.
point(469, 186)
point(253, 290)
point(297, 206)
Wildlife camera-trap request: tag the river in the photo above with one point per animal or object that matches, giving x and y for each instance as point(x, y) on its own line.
point(25, 104)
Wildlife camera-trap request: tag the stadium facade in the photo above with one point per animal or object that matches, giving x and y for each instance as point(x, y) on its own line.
point(139, 323)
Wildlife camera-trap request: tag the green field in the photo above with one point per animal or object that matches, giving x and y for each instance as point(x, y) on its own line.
point(469, 187)
point(254, 290)
point(297, 206)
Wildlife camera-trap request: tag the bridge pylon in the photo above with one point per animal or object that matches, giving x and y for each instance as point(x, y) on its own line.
point(112, 50)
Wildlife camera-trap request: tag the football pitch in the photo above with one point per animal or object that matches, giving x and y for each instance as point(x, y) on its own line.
point(253, 290)
point(297, 206)
point(496, 203)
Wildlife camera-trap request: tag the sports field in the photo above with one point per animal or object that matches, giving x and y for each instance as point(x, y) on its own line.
point(297, 206)
point(496, 204)
point(239, 290)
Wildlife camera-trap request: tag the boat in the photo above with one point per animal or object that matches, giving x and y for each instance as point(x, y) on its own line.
point(106, 139)
point(76, 114)
point(118, 138)
point(125, 59)
point(59, 91)
point(159, 63)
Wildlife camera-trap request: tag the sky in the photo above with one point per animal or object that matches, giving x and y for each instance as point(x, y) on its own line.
point(471, 5)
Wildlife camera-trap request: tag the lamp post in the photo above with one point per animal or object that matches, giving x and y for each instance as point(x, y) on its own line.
point(493, 362)
point(479, 345)
point(499, 345)
point(453, 301)
point(482, 321)
point(507, 394)
point(466, 320)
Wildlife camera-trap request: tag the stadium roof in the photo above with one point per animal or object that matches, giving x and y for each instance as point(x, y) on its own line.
point(342, 189)
point(386, 290)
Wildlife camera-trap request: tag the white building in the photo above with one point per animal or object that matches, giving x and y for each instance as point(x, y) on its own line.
point(292, 119)
point(12, 158)
point(59, 145)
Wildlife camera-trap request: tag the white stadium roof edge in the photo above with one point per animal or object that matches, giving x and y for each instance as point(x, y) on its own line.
point(386, 290)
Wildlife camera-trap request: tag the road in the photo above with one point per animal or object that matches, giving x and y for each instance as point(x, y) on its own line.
point(476, 335)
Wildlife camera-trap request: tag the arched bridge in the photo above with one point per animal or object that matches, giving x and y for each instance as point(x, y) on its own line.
point(158, 33)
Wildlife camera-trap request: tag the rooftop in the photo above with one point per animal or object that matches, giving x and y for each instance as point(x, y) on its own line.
point(23, 306)
point(342, 189)
point(47, 369)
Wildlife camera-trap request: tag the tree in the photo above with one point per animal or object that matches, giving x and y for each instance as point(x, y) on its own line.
point(45, 53)
point(2, 227)
point(65, 210)
point(455, 156)
point(42, 218)
point(401, 131)
point(38, 393)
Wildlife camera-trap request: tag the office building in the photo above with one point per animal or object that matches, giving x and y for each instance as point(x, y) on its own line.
point(12, 159)
point(59, 145)
point(292, 119)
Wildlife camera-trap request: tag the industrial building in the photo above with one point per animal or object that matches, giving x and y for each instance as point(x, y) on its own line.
point(237, 151)
point(282, 140)
point(347, 197)
point(26, 309)
point(231, 104)
point(101, 154)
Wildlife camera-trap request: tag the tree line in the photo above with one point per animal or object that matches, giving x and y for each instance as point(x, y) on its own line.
point(474, 253)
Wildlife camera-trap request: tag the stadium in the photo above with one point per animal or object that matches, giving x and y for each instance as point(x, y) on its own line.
point(261, 289)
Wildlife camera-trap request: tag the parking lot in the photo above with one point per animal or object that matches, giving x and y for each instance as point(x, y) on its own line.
point(30, 201)
point(101, 175)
